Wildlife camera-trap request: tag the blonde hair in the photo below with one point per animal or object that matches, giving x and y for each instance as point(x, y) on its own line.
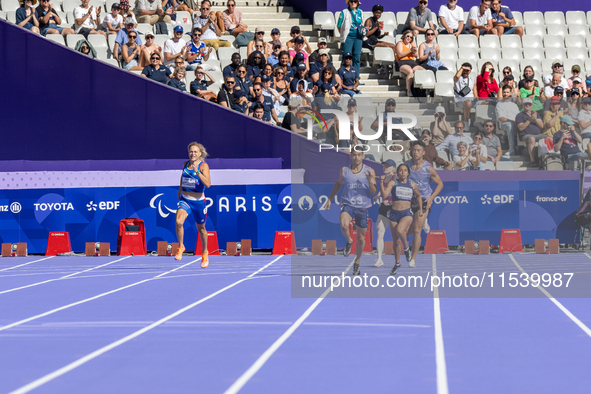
point(176, 71)
point(204, 153)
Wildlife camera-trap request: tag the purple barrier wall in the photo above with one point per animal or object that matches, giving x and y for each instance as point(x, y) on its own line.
point(60, 105)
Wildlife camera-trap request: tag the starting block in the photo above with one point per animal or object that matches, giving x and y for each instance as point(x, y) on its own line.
point(511, 241)
point(316, 247)
point(212, 244)
point(388, 247)
point(436, 242)
point(18, 249)
point(484, 247)
point(166, 249)
point(539, 246)
point(553, 246)
point(246, 247)
point(284, 243)
point(98, 249)
point(132, 237)
point(231, 248)
point(331, 247)
point(58, 242)
point(469, 247)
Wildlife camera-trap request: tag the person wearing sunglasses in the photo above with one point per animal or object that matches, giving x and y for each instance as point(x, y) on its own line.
point(122, 35)
point(255, 64)
point(25, 16)
point(113, 22)
point(451, 19)
point(327, 84)
point(84, 47)
point(279, 83)
point(294, 33)
point(273, 58)
point(230, 21)
point(266, 101)
point(503, 20)
point(148, 50)
point(276, 38)
point(156, 71)
point(429, 53)
point(258, 43)
point(130, 53)
point(420, 18)
point(557, 68)
point(243, 82)
point(407, 55)
point(268, 71)
point(576, 74)
point(322, 61)
point(151, 11)
point(284, 62)
point(226, 93)
point(352, 31)
point(197, 53)
point(297, 53)
point(348, 76)
point(49, 20)
point(207, 21)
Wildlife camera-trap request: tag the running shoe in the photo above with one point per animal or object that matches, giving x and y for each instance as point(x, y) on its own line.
point(426, 227)
point(411, 264)
point(356, 270)
point(379, 263)
point(408, 254)
point(394, 269)
point(179, 253)
point(204, 260)
point(347, 250)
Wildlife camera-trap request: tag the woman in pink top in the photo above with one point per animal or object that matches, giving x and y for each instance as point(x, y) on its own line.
point(486, 85)
point(231, 20)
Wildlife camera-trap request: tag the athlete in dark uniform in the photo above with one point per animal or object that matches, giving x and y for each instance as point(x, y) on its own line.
point(194, 179)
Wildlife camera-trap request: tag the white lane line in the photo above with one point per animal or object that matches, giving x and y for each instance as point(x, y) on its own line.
point(62, 277)
point(30, 262)
point(83, 360)
point(441, 367)
point(579, 323)
point(258, 364)
point(586, 254)
point(61, 308)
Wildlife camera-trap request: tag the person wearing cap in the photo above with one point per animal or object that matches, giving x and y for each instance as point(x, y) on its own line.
point(552, 117)
point(49, 20)
point(530, 127)
point(419, 19)
point(258, 43)
point(383, 220)
point(322, 44)
point(509, 80)
point(316, 68)
point(270, 92)
point(151, 11)
point(241, 102)
point(585, 117)
point(532, 92)
point(122, 35)
point(156, 71)
point(87, 19)
point(294, 33)
point(175, 46)
point(350, 24)
point(566, 140)
point(503, 20)
point(230, 20)
point(196, 53)
point(451, 19)
point(349, 76)
point(199, 85)
point(265, 101)
point(275, 38)
point(207, 21)
point(255, 64)
point(113, 22)
point(440, 127)
point(26, 18)
point(297, 60)
point(298, 50)
point(273, 58)
point(557, 68)
point(148, 49)
point(127, 12)
point(577, 82)
point(230, 69)
point(130, 53)
point(291, 121)
point(507, 111)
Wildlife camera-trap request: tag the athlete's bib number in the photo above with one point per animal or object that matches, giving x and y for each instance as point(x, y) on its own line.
point(357, 200)
point(188, 183)
point(403, 193)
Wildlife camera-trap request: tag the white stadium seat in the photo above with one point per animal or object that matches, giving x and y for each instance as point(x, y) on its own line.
point(145, 28)
point(184, 17)
point(101, 53)
point(363, 100)
point(575, 41)
point(575, 18)
point(424, 79)
point(388, 38)
point(490, 41)
point(447, 41)
point(506, 165)
point(533, 18)
point(559, 30)
point(553, 41)
point(467, 41)
point(160, 39)
point(554, 18)
point(390, 23)
point(556, 54)
point(383, 56)
point(56, 38)
point(513, 64)
point(401, 19)
point(72, 39)
point(577, 53)
point(449, 54)
point(547, 66)
point(532, 41)
point(10, 5)
point(510, 41)
point(535, 30)
point(468, 53)
point(226, 53)
point(324, 20)
point(588, 65)
point(493, 54)
point(97, 40)
point(512, 53)
point(449, 63)
point(445, 76)
point(579, 30)
point(112, 62)
point(69, 5)
point(518, 17)
point(444, 89)
point(533, 53)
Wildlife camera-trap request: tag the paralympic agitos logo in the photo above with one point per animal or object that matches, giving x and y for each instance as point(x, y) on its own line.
point(345, 131)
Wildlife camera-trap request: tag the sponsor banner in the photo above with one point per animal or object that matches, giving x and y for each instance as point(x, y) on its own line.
point(474, 210)
point(90, 215)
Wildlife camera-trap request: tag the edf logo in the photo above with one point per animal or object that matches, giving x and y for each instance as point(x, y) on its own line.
point(497, 199)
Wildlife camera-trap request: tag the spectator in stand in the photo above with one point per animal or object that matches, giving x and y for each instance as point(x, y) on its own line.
point(87, 19)
point(429, 56)
point(258, 43)
point(588, 85)
point(156, 71)
point(241, 102)
point(175, 46)
point(418, 18)
point(148, 49)
point(298, 58)
point(486, 85)
point(558, 92)
point(464, 90)
point(230, 20)
point(298, 51)
point(482, 153)
point(273, 94)
point(122, 35)
point(530, 127)
point(284, 62)
point(466, 159)
point(279, 82)
point(25, 16)
point(302, 75)
point(503, 20)
point(177, 79)
point(534, 93)
point(555, 82)
point(127, 12)
point(302, 93)
point(578, 84)
point(440, 127)
point(327, 84)
point(151, 12)
point(451, 19)
point(507, 71)
point(566, 140)
point(528, 71)
point(113, 22)
point(275, 37)
point(273, 58)
point(230, 69)
point(316, 68)
point(130, 53)
point(350, 24)
point(226, 93)
point(295, 33)
point(374, 32)
point(196, 52)
point(258, 112)
point(207, 21)
point(574, 104)
point(406, 59)
point(397, 135)
point(585, 117)
point(557, 68)
point(510, 81)
point(199, 86)
point(552, 117)
point(291, 121)
point(255, 64)
point(322, 44)
point(265, 101)
point(49, 20)
point(84, 47)
point(183, 6)
point(431, 152)
point(480, 21)
point(576, 73)
point(349, 76)
point(506, 111)
point(243, 82)
point(492, 142)
point(451, 141)
point(169, 7)
point(178, 62)
point(268, 71)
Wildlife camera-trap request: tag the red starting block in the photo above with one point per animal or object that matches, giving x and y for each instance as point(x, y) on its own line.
point(389, 247)
point(436, 242)
point(245, 247)
point(213, 248)
point(368, 248)
point(58, 242)
point(511, 241)
point(484, 247)
point(132, 237)
point(18, 249)
point(284, 243)
point(331, 247)
point(553, 246)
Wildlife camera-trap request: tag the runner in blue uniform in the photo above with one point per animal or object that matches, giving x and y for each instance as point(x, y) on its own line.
point(421, 173)
point(194, 179)
point(402, 191)
point(360, 185)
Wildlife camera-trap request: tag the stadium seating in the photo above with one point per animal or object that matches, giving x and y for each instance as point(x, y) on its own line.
point(575, 18)
point(424, 79)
